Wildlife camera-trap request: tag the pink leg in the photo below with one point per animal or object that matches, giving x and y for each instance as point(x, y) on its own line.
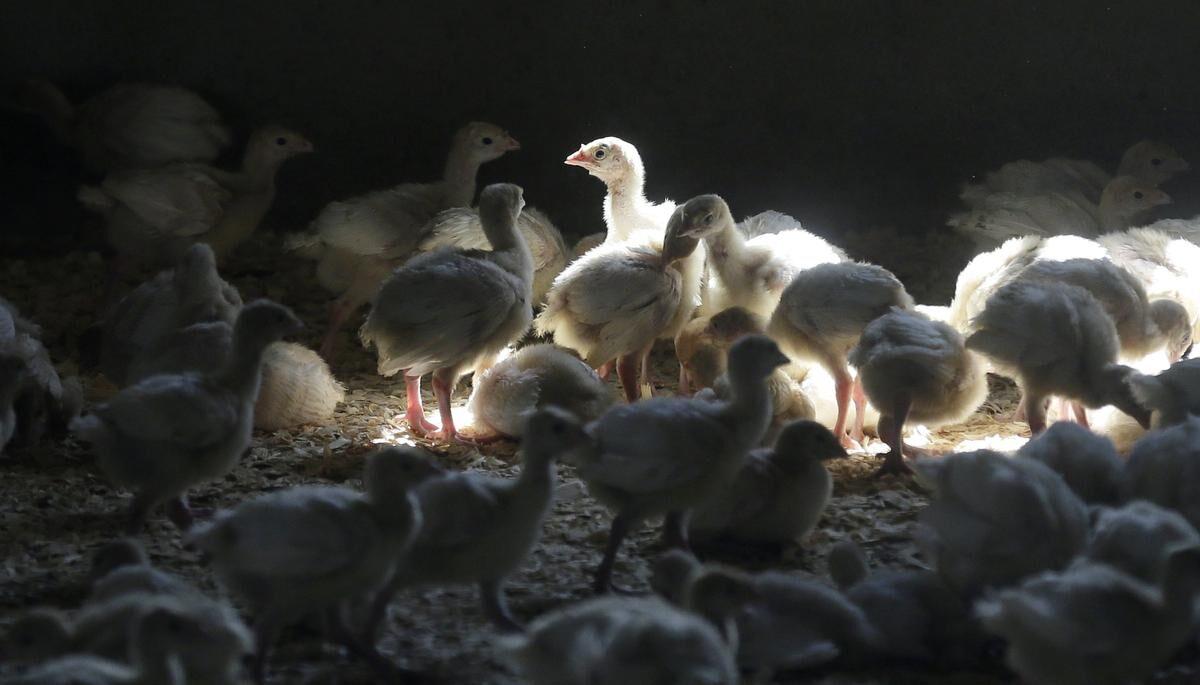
point(339, 311)
point(647, 376)
point(842, 388)
point(605, 370)
point(415, 412)
point(860, 410)
point(1080, 414)
point(891, 429)
point(685, 386)
point(1065, 411)
point(1035, 413)
point(443, 385)
point(627, 369)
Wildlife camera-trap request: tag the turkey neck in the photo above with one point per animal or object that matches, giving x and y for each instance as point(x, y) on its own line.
point(1111, 217)
point(750, 408)
point(509, 250)
point(243, 370)
point(458, 178)
point(624, 204)
point(726, 248)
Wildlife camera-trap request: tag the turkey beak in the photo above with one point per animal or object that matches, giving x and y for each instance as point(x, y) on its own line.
point(578, 159)
point(304, 145)
point(1177, 165)
point(781, 359)
point(512, 144)
point(1158, 197)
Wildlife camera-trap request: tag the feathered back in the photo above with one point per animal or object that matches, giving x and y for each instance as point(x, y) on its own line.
point(297, 388)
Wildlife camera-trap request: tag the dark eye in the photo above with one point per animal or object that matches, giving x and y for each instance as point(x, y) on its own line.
point(1156, 161)
point(599, 154)
point(281, 141)
point(487, 141)
point(1138, 194)
point(708, 219)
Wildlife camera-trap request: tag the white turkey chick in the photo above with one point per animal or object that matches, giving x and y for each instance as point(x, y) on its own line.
point(358, 241)
point(618, 165)
point(1057, 340)
point(1167, 264)
point(1094, 625)
point(622, 641)
point(1137, 537)
point(313, 549)
point(778, 494)
point(669, 455)
point(1000, 216)
point(153, 215)
point(822, 315)
point(130, 126)
point(167, 433)
point(478, 529)
point(995, 520)
point(445, 311)
point(1164, 468)
point(919, 618)
point(1147, 160)
point(506, 395)
point(1088, 462)
point(750, 273)
point(915, 369)
point(460, 227)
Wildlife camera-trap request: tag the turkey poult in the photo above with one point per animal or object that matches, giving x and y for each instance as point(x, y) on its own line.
point(1164, 468)
point(460, 227)
point(41, 400)
point(779, 621)
point(121, 567)
point(1137, 537)
point(478, 529)
point(995, 520)
point(619, 298)
point(618, 165)
point(668, 455)
point(506, 395)
point(297, 388)
point(1172, 395)
point(1167, 265)
point(153, 215)
point(919, 618)
point(138, 328)
point(1088, 462)
point(154, 661)
point(1094, 625)
point(1124, 202)
point(916, 369)
point(310, 550)
point(168, 433)
point(1056, 340)
point(135, 125)
point(1151, 162)
point(622, 641)
point(642, 284)
point(821, 316)
point(445, 311)
point(750, 273)
point(778, 494)
point(358, 241)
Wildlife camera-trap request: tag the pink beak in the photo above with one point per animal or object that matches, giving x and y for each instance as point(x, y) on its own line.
point(1162, 198)
point(513, 144)
point(578, 159)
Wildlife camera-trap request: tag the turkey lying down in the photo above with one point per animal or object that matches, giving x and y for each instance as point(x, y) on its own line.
point(1056, 339)
point(1149, 161)
point(167, 433)
point(357, 242)
point(131, 125)
point(506, 395)
point(821, 316)
point(778, 494)
point(995, 520)
point(919, 618)
point(622, 641)
point(1125, 202)
point(1091, 624)
point(478, 529)
point(314, 550)
point(445, 311)
point(460, 227)
point(779, 621)
point(666, 456)
point(153, 215)
point(916, 369)
point(750, 273)
point(620, 297)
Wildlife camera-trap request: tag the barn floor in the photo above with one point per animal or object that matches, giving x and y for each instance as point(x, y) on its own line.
point(55, 508)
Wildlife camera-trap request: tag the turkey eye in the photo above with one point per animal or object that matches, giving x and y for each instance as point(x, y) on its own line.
point(487, 141)
point(1138, 195)
point(1156, 161)
point(708, 219)
point(599, 154)
point(281, 141)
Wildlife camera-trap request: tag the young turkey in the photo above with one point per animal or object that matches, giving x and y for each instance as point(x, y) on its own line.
point(1164, 468)
point(1088, 462)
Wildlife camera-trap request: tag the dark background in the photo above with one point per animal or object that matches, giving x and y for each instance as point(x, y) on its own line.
point(846, 114)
